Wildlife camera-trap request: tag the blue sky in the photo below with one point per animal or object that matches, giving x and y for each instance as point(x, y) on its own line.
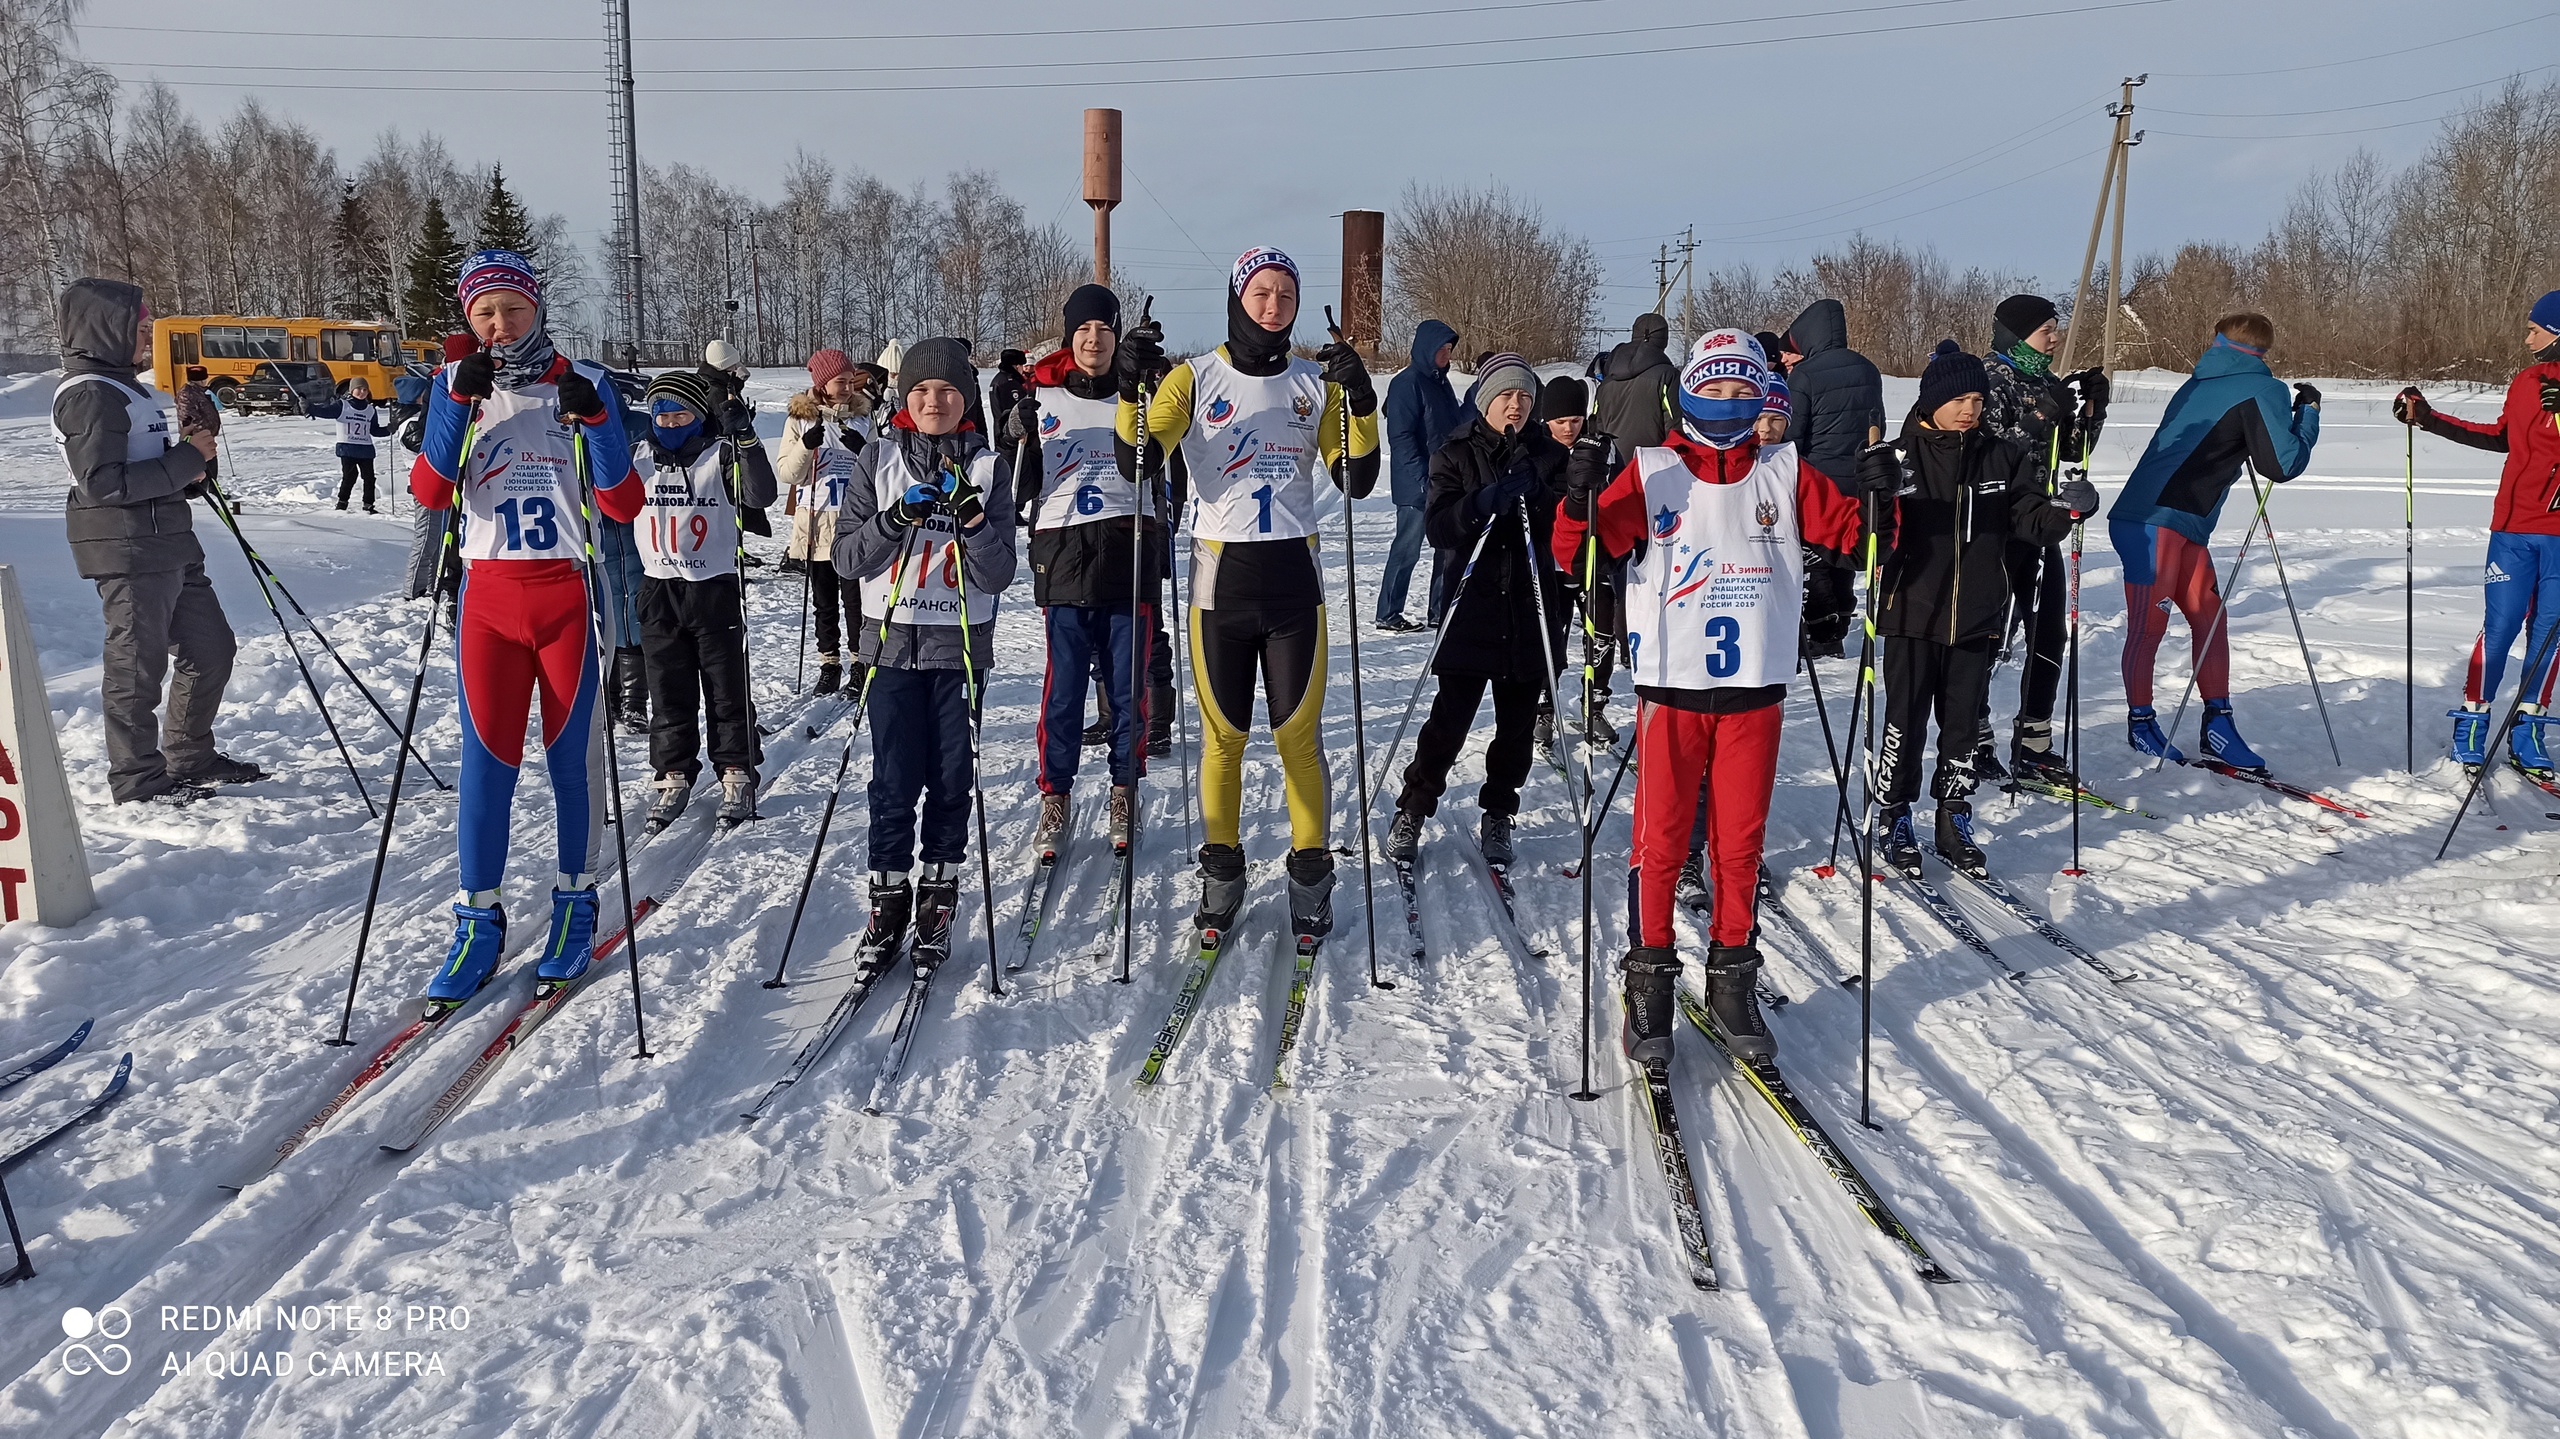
point(1973, 125)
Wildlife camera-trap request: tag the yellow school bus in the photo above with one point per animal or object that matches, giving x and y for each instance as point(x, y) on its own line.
point(232, 348)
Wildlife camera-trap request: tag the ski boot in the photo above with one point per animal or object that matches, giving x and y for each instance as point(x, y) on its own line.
point(176, 796)
point(2222, 738)
point(830, 675)
point(937, 896)
point(571, 944)
point(630, 690)
point(1121, 822)
point(1221, 888)
point(1896, 843)
point(1955, 839)
point(1404, 837)
point(893, 905)
point(2525, 741)
point(2470, 735)
point(675, 791)
point(1733, 1001)
point(737, 798)
point(1160, 722)
point(1311, 892)
point(1048, 835)
point(1543, 736)
point(1646, 1031)
point(1098, 733)
point(1690, 889)
point(478, 936)
point(1987, 768)
point(1599, 733)
point(1493, 836)
point(2144, 734)
point(2033, 757)
point(220, 769)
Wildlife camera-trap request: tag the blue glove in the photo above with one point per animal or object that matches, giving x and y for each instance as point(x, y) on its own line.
point(921, 503)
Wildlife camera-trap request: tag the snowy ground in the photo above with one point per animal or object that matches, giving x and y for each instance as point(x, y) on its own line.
point(2296, 1179)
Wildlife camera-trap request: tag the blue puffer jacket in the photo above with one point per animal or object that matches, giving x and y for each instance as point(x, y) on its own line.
point(2231, 410)
point(1422, 415)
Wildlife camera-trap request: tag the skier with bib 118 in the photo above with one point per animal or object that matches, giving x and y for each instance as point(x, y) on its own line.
point(1714, 525)
point(2231, 412)
point(2523, 575)
point(508, 429)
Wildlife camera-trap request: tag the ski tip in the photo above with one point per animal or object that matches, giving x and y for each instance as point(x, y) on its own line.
point(1936, 1275)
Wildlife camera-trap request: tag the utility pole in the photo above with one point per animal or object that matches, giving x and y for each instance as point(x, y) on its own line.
point(623, 153)
point(2111, 189)
point(1688, 281)
point(755, 287)
point(1661, 277)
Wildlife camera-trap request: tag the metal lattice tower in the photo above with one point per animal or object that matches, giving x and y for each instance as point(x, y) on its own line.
point(623, 152)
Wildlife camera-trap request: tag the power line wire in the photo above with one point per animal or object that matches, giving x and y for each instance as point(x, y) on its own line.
point(2358, 60)
point(2342, 109)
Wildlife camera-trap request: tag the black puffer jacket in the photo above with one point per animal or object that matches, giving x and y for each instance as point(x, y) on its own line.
point(1637, 384)
point(1838, 394)
point(1491, 629)
point(1081, 564)
point(1964, 496)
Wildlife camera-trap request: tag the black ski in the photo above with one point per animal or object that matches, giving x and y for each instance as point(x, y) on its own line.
point(36, 1064)
point(89, 1111)
point(2037, 920)
point(1772, 1086)
point(1412, 906)
point(1935, 899)
point(2264, 780)
point(2026, 785)
point(1686, 1216)
point(1213, 943)
point(1035, 898)
point(869, 969)
point(902, 1041)
point(1301, 979)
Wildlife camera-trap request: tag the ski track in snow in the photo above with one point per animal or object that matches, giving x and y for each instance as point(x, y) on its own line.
point(2293, 1179)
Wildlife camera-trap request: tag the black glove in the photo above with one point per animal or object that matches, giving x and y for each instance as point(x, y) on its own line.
point(968, 502)
point(2411, 408)
point(578, 397)
point(413, 433)
point(1342, 367)
point(2550, 396)
point(1830, 605)
point(1586, 473)
point(1141, 351)
point(195, 491)
point(2306, 394)
point(815, 436)
point(1517, 485)
point(2094, 390)
point(2075, 493)
point(739, 419)
point(475, 376)
point(1880, 470)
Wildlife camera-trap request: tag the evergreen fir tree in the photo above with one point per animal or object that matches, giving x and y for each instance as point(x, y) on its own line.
point(363, 265)
point(435, 268)
point(504, 225)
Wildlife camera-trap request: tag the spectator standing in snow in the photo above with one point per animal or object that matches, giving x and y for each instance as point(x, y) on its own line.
point(133, 536)
point(1837, 401)
point(360, 423)
point(1637, 383)
point(1421, 414)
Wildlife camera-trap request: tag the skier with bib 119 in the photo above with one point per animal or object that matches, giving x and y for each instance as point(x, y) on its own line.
point(2523, 574)
point(2231, 412)
point(1714, 525)
point(508, 428)
point(1256, 425)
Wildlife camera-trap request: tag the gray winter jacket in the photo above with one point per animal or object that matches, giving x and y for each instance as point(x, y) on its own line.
point(869, 539)
point(124, 517)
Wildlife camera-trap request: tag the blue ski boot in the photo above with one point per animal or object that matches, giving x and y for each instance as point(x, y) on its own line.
point(2146, 736)
point(1897, 845)
point(571, 943)
point(1956, 844)
point(2524, 742)
point(2470, 735)
point(2222, 738)
point(478, 935)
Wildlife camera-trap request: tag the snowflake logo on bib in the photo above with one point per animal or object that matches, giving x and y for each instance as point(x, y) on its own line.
point(1219, 412)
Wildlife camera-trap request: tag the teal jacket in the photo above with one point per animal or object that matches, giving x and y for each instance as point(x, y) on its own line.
point(2231, 411)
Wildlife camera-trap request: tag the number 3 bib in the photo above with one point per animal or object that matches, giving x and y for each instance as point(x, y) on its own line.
point(1716, 595)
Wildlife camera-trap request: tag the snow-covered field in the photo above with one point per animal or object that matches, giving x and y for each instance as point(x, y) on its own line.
point(2297, 1178)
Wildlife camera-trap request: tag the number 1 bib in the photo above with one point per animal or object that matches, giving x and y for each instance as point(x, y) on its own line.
point(1252, 450)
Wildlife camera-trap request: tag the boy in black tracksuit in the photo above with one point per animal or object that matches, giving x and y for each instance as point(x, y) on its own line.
point(1494, 636)
point(360, 423)
point(704, 465)
point(1961, 497)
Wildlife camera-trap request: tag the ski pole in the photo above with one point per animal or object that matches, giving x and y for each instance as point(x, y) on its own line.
point(1359, 708)
point(969, 681)
point(2524, 687)
point(2071, 705)
point(808, 562)
point(1546, 649)
point(1591, 818)
point(1140, 494)
point(1830, 748)
point(587, 512)
point(2286, 587)
point(417, 687)
point(25, 1268)
point(1862, 845)
point(2409, 588)
point(222, 507)
point(844, 758)
point(2221, 615)
point(1386, 772)
point(259, 561)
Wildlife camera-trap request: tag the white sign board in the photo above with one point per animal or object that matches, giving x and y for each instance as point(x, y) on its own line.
point(44, 873)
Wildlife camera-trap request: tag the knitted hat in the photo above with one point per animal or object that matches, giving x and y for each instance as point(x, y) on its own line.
point(2020, 316)
point(890, 354)
point(1089, 303)
point(686, 387)
point(941, 359)
point(826, 365)
point(488, 270)
point(1951, 373)
point(1501, 374)
point(721, 355)
point(1256, 260)
point(1774, 399)
point(1725, 355)
point(1564, 397)
point(2546, 312)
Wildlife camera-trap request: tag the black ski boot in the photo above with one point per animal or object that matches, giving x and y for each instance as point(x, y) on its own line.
point(1099, 732)
point(1493, 836)
point(893, 905)
point(1311, 892)
point(937, 895)
point(830, 675)
point(1404, 837)
point(1543, 736)
point(1986, 764)
point(630, 691)
point(1690, 889)
point(1955, 838)
point(2033, 757)
point(1646, 1032)
point(1733, 974)
point(1221, 887)
point(1896, 843)
point(1160, 722)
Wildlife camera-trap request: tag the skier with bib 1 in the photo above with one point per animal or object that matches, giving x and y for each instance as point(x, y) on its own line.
point(928, 523)
point(507, 430)
point(1089, 525)
point(1256, 426)
point(2522, 579)
point(706, 464)
point(1714, 525)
